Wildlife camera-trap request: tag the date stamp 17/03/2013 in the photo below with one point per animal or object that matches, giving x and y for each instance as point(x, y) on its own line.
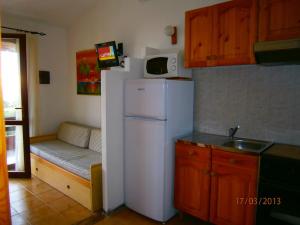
point(259, 201)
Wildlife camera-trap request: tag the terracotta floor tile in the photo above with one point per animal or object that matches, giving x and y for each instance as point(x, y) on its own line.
point(125, 216)
point(51, 220)
point(76, 213)
point(58, 209)
point(50, 196)
point(39, 188)
point(18, 195)
point(38, 203)
point(38, 212)
point(62, 204)
point(41, 215)
point(113, 221)
point(29, 182)
point(92, 219)
point(27, 204)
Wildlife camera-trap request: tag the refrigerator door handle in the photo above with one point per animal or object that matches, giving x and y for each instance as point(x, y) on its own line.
point(145, 118)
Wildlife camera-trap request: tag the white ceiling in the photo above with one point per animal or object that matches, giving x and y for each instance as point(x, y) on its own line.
point(56, 12)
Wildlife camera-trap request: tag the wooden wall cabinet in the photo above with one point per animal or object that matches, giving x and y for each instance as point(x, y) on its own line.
point(199, 37)
point(223, 34)
point(210, 184)
point(279, 19)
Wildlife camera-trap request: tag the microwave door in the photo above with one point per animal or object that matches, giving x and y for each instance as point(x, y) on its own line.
point(157, 66)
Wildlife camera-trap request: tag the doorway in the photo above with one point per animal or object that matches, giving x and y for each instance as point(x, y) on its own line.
point(14, 87)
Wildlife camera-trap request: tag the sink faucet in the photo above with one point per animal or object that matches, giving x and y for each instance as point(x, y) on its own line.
point(232, 131)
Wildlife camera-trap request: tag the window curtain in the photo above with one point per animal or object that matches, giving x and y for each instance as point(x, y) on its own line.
point(33, 84)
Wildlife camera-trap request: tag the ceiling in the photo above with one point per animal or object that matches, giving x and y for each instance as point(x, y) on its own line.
point(56, 12)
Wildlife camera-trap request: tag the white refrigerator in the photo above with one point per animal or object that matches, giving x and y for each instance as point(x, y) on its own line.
point(157, 111)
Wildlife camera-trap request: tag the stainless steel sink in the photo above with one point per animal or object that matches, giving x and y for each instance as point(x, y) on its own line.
point(249, 145)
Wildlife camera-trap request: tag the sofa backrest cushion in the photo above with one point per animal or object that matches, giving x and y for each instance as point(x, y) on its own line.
point(95, 140)
point(74, 134)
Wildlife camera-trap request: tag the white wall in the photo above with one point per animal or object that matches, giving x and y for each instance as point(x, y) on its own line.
point(52, 56)
point(136, 23)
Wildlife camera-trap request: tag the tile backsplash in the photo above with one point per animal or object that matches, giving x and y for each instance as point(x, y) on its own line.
point(264, 101)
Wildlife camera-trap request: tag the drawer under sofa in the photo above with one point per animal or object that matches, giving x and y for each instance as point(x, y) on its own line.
point(87, 192)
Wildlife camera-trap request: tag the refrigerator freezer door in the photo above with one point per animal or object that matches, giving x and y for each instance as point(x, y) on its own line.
point(145, 98)
point(144, 166)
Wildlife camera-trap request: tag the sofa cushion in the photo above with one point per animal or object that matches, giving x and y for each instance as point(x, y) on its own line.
point(56, 148)
point(95, 140)
point(81, 165)
point(74, 134)
point(69, 157)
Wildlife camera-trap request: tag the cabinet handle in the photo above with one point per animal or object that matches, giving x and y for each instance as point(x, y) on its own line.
point(68, 186)
point(206, 171)
point(232, 161)
point(36, 169)
point(211, 57)
point(213, 174)
point(214, 57)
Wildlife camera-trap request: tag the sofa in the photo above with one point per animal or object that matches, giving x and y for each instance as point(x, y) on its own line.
point(70, 161)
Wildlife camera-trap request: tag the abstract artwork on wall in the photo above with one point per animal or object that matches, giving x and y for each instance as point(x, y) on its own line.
point(88, 73)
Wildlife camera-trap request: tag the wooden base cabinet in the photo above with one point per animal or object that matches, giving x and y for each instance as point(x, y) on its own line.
point(192, 180)
point(215, 185)
point(233, 186)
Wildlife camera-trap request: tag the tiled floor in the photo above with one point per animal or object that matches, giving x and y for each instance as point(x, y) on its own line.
point(125, 216)
point(34, 202)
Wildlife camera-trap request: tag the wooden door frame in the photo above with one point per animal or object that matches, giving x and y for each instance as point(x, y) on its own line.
point(25, 119)
point(5, 216)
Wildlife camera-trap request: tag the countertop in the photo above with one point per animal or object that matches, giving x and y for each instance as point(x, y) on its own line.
point(214, 141)
point(203, 139)
point(284, 150)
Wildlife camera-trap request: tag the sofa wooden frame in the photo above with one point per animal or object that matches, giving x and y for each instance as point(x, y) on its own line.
point(87, 192)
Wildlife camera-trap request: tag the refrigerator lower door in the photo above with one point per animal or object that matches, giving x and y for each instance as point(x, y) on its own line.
point(144, 166)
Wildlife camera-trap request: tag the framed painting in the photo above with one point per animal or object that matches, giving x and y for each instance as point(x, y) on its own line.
point(88, 73)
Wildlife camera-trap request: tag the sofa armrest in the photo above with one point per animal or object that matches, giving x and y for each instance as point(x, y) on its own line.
point(42, 138)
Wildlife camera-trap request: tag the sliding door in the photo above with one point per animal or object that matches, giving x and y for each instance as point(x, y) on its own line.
point(14, 86)
point(4, 196)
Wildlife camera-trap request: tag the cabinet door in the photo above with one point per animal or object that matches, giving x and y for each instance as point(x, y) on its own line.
point(192, 181)
point(235, 31)
point(279, 20)
point(198, 37)
point(232, 188)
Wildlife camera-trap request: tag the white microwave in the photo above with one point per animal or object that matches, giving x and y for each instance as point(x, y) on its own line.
point(165, 65)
